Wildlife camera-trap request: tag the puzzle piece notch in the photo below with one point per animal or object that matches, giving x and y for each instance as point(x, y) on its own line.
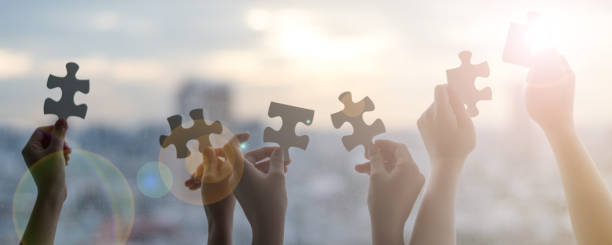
point(285, 137)
point(69, 85)
point(462, 80)
point(353, 114)
point(200, 131)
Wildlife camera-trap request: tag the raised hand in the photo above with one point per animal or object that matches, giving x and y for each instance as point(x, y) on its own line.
point(549, 95)
point(549, 100)
point(262, 195)
point(392, 192)
point(217, 177)
point(448, 134)
point(46, 156)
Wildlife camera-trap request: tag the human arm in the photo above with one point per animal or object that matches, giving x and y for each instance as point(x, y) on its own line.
point(46, 155)
point(549, 100)
point(395, 183)
point(449, 137)
point(262, 195)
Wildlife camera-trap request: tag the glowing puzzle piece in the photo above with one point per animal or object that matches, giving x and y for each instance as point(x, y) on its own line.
point(462, 79)
point(518, 48)
point(200, 131)
point(69, 85)
point(353, 114)
point(285, 137)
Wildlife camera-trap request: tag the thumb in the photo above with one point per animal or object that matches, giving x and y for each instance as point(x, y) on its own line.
point(277, 162)
point(57, 135)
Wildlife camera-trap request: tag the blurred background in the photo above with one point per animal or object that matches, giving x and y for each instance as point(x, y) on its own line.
point(148, 60)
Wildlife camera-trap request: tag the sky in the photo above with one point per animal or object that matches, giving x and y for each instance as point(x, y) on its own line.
point(302, 53)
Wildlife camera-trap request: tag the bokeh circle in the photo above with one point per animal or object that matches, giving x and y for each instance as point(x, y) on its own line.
point(99, 208)
point(183, 169)
point(154, 179)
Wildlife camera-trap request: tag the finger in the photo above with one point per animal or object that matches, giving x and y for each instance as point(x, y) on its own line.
point(264, 166)
point(377, 165)
point(220, 152)
point(427, 117)
point(404, 159)
point(363, 168)
point(209, 162)
point(58, 132)
point(66, 158)
point(38, 135)
point(387, 149)
point(463, 119)
point(260, 154)
point(443, 110)
point(193, 183)
point(233, 152)
point(277, 162)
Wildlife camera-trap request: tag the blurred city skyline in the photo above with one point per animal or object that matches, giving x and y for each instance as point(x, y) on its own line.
point(302, 53)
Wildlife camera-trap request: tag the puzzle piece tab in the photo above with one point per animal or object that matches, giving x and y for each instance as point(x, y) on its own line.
point(353, 114)
point(462, 79)
point(69, 85)
point(285, 137)
point(200, 131)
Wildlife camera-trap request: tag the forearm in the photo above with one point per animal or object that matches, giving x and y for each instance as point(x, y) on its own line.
point(382, 234)
point(268, 233)
point(435, 223)
point(43, 220)
point(588, 198)
point(220, 233)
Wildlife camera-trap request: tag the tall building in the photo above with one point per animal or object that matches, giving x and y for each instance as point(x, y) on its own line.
point(212, 95)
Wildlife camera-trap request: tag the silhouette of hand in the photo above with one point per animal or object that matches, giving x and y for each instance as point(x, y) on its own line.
point(549, 95)
point(46, 156)
point(218, 176)
point(262, 194)
point(447, 130)
point(392, 192)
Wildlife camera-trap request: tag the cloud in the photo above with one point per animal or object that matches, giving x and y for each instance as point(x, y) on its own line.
point(105, 21)
point(14, 64)
point(134, 71)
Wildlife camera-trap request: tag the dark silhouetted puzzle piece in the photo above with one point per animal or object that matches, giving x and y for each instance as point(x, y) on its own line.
point(285, 137)
point(179, 136)
point(69, 85)
point(353, 114)
point(461, 80)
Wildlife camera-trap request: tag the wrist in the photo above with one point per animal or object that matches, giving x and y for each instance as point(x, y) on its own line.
point(219, 234)
point(560, 133)
point(387, 233)
point(268, 233)
point(446, 166)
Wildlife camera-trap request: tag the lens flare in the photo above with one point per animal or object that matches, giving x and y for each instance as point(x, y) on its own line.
point(183, 169)
point(99, 208)
point(154, 179)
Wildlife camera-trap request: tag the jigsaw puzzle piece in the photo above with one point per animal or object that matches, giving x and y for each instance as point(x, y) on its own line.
point(200, 131)
point(69, 85)
point(353, 114)
point(285, 137)
point(462, 81)
point(518, 47)
point(364, 137)
point(204, 130)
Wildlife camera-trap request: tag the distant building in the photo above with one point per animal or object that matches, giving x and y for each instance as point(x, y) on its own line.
point(213, 96)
